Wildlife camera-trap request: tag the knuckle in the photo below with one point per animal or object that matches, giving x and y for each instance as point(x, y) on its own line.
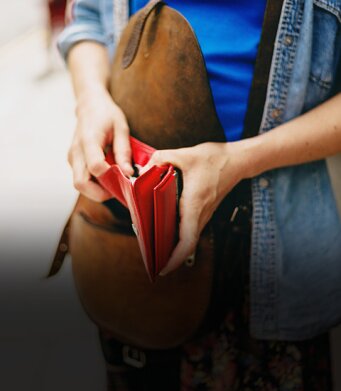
point(118, 114)
point(126, 153)
point(122, 153)
point(88, 133)
point(72, 152)
point(101, 197)
point(119, 121)
point(157, 156)
point(69, 157)
point(79, 184)
point(88, 139)
point(95, 167)
point(122, 128)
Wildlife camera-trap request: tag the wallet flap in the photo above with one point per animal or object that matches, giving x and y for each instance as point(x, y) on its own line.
point(165, 219)
point(143, 218)
point(115, 182)
point(141, 153)
point(151, 200)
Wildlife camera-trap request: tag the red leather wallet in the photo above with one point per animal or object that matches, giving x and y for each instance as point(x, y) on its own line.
point(152, 202)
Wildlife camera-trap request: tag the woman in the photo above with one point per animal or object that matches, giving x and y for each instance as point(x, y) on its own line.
point(296, 227)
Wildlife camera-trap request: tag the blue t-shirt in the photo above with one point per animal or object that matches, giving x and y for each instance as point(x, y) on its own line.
point(228, 32)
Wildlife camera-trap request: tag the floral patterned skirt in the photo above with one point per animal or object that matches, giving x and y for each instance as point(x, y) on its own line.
point(228, 358)
point(231, 360)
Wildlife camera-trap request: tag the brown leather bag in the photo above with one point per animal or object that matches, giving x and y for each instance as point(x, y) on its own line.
point(159, 80)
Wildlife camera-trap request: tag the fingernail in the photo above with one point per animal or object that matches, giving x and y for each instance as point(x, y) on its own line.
point(163, 272)
point(144, 169)
point(128, 168)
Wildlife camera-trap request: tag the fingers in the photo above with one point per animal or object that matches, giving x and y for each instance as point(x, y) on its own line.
point(189, 233)
point(121, 145)
point(94, 156)
point(100, 123)
point(189, 229)
point(98, 128)
point(160, 158)
point(82, 179)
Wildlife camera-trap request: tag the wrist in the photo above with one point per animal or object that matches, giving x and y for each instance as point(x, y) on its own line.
point(91, 90)
point(89, 67)
point(252, 156)
point(90, 97)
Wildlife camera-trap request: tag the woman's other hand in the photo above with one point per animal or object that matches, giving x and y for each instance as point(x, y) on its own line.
point(100, 122)
point(209, 171)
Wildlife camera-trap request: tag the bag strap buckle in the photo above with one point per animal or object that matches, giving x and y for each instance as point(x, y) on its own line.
point(134, 357)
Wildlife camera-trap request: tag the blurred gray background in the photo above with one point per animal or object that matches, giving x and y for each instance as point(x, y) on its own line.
point(46, 341)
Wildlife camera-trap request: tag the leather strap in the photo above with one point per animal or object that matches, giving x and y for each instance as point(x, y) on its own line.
point(62, 247)
point(261, 74)
point(135, 38)
point(257, 96)
point(61, 251)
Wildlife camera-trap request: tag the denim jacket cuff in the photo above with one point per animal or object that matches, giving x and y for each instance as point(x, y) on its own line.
point(76, 33)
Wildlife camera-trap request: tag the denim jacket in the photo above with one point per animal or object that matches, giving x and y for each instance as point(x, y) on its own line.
point(296, 239)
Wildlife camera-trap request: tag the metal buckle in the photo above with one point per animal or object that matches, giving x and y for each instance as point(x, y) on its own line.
point(234, 214)
point(190, 261)
point(133, 357)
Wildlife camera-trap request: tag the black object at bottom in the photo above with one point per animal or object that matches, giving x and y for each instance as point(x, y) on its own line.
point(132, 369)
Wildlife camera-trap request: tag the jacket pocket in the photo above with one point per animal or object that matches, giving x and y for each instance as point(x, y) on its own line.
point(326, 49)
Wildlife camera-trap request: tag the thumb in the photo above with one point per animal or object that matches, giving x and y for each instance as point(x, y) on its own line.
point(160, 158)
point(122, 148)
point(189, 233)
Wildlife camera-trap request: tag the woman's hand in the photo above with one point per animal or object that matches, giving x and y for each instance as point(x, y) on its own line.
point(100, 122)
point(209, 171)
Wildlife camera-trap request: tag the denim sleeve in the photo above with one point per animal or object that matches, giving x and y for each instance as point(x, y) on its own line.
point(85, 24)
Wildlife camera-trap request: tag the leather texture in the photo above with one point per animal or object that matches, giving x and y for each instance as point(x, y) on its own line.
point(165, 95)
point(135, 36)
point(152, 202)
point(116, 292)
point(165, 92)
point(160, 82)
